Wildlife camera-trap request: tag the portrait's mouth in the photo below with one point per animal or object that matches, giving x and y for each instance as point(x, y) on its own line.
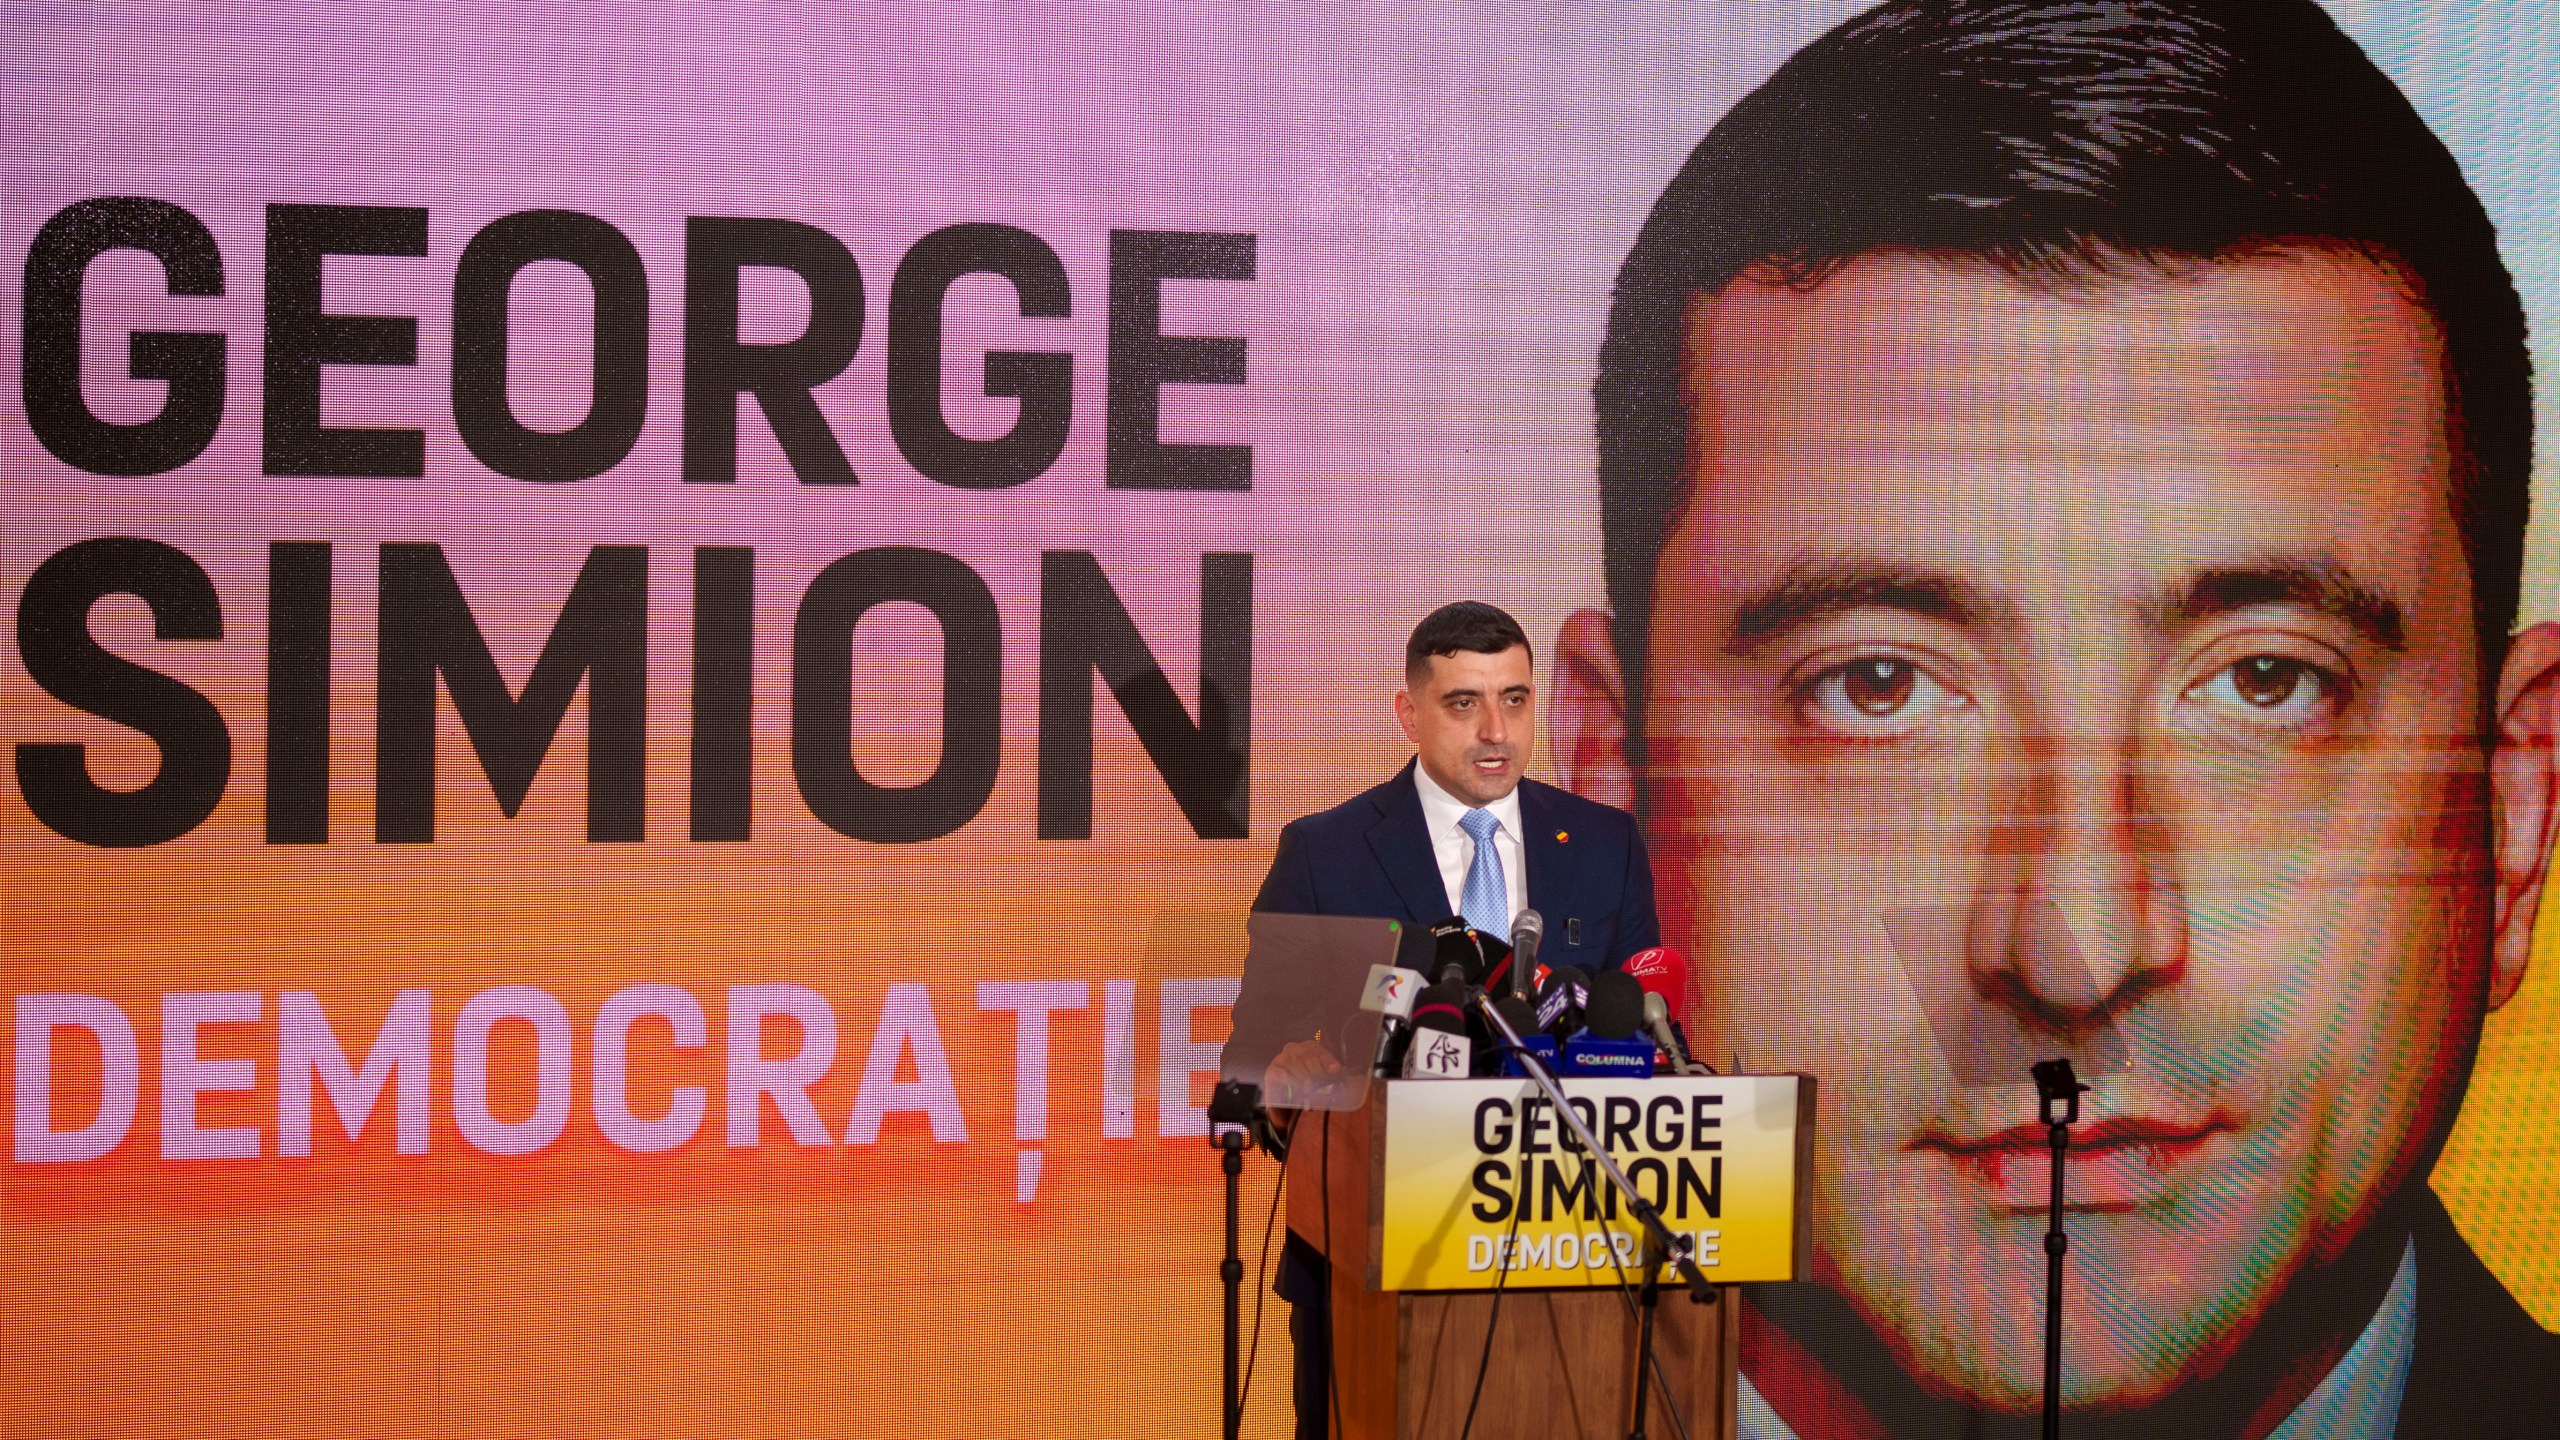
point(2118, 1163)
point(1492, 765)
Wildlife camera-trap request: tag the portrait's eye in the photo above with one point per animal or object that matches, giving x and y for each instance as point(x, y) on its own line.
point(1878, 687)
point(1873, 697)
point(2275, 691)
point(2267, 681)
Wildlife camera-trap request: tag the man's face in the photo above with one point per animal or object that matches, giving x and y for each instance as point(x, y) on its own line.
point(2080, 660)
point(1473, 721)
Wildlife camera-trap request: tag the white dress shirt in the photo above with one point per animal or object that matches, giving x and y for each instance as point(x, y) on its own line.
point(1456, 850)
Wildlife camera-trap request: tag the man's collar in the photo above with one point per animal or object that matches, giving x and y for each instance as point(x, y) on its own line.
point(2359, 1399)
point(1440, 809)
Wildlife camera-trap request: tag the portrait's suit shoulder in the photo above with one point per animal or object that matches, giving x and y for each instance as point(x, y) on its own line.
point(2483, 1369)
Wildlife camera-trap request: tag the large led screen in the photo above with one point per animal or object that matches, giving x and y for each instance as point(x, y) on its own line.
point(656, 649)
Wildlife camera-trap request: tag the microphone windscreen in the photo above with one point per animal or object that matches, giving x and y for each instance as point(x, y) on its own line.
point(1442, 1008)
point(1455, 949)
point(1615, 1010)
point(1441, 1048)
point(1416, 948)
point(1662, 971)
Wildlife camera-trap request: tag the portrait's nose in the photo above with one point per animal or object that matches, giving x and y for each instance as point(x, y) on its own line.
point(2086, 916)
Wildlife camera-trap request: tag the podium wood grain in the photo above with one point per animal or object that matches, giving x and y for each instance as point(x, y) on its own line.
point(1561, 1362)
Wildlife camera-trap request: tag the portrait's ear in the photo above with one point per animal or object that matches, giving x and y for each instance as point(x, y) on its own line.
point(2525, 794)
point(1404, 714)
point(1588, 715)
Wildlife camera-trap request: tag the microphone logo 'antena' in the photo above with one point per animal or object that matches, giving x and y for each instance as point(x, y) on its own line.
point(1438, 1055)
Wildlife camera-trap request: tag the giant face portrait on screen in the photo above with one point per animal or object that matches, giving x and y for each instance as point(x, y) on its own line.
point(2064, 479)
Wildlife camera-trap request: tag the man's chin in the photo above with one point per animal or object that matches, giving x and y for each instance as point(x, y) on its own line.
point(1979, 1343)
point(1480, 789)
point(2010, 1381)
point(2168, 1329)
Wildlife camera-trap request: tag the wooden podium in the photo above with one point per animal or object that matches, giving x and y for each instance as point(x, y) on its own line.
point(1562, 1357)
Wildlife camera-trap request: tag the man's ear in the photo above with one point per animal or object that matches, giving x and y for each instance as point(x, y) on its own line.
point(2525, 798)
point(1404, 715)
point(1589, 712)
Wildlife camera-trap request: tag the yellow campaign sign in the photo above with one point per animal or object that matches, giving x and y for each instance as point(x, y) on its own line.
point(1479, 1181)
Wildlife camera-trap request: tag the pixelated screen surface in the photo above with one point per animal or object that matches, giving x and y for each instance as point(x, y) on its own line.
point(657, 651)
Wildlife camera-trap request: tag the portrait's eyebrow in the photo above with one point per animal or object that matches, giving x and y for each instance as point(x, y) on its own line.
point(2323, 587)
point(1810, 591)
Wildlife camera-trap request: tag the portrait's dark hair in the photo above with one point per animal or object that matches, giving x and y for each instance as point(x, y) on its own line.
point(2065, 144)
point(1469, 625)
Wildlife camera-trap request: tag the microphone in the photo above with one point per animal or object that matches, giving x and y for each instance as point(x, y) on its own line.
point(1457, 954)
point(1657, 1023)
point(1440, 1050)
point(1561, 1001)
point(1662, 970)
point(1607, 1044)
point(1664, 974)
point(1526, 931)
point(1523, 1020)
point(1389, 995)
point(1497, 961)
point(1615, 1010)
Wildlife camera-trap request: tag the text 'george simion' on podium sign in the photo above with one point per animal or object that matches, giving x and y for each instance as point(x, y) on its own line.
point(1479, 1184)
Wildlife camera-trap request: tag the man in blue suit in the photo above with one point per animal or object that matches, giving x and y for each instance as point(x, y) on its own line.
point(1459, 831)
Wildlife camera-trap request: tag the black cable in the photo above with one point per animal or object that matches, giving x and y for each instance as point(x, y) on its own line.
point(1627, 1298)
point(1493, 1320)
point(1262, 1282)
point(1502, 1278)
point(1324, 1173)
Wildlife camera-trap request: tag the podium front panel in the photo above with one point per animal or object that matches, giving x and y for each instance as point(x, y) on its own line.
point(1478, 1183)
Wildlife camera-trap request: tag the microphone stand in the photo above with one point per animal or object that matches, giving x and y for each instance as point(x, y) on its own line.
point(1231, 1107)
point(1231, 1271)
point(1660, 1245)
point(2058, 1094)
point(1651, 1292)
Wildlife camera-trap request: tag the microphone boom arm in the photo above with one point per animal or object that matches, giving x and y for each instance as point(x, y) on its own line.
point(1657, 1234)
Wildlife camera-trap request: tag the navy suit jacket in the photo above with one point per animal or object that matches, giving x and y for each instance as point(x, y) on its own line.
point(1371, 855)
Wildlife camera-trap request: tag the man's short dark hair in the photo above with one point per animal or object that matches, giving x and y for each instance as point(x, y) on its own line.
point(1469, 625)
point(2065, 144)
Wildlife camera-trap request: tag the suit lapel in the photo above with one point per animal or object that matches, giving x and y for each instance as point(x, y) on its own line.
point(1401, 841)
point(1550, 851)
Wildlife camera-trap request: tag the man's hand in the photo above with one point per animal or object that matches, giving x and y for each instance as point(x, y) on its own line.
point(1304, 1070)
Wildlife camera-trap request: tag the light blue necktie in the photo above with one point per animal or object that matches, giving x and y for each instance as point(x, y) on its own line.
point(1486, 900)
